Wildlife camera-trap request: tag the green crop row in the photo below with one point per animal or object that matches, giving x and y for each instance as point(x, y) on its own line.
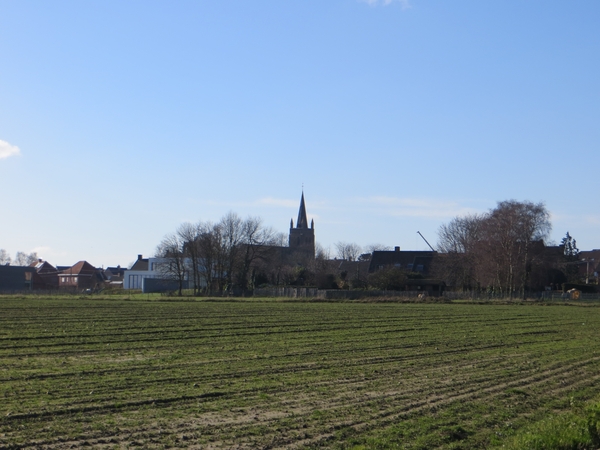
point(125, 373)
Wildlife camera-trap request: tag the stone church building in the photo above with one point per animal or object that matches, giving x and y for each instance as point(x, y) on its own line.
point(302, 238)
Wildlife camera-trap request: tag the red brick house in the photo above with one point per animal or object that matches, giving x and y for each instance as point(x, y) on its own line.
point(80, 276)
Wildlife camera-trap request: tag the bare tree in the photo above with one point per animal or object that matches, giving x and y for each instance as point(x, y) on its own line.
point(377, 248)
point(272, 265)
point(4, 258)
point(189, 234)
point(171, 249)
point(211, 266)
point(221, 251)
point(321, 252)
point(280, 239)
point(461, 234)
point(24, 259)
point(232, 232)
point(496, 250)
point(257, 243)
point(32, 258)
point(510, 232)
point(457, 244)
point(347, 251)
point(20, 259)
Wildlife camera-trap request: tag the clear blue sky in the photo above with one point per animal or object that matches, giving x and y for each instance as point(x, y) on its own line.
point(119, 120)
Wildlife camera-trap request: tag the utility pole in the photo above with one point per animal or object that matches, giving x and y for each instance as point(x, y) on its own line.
point(587, 270)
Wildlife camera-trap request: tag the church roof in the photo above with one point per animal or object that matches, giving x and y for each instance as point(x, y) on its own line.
point(302, 219)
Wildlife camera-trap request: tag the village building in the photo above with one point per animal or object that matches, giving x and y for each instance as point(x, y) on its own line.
point(16, 278)
point(80, 276)
point(411, 260)
point(302, 238)
point(46, 275)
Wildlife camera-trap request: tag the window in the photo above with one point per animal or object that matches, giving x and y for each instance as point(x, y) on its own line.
point(133, 281)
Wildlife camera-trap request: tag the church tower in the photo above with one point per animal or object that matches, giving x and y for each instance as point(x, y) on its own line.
point(302, 238)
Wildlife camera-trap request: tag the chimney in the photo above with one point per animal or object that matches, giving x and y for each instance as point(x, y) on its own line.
point(139, 257)
point(396, 249)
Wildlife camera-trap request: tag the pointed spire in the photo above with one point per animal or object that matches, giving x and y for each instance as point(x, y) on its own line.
point(302, 221)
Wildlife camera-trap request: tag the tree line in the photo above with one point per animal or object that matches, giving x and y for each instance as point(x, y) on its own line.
point(237, 255)
point(216, 257)
point(499, 250)
point(21, 258)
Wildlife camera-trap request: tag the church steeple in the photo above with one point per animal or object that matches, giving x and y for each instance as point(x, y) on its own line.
point(302, 221)
point(302, 238)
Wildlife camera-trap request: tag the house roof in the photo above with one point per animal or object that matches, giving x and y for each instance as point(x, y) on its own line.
point(590, 254)
point(401, 259)
point(593, 256)
point(114, 271)
point(82, 267)
point(140, 264)
point(43, 267)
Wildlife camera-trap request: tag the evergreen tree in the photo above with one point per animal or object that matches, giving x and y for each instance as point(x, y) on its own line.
point(570, 247)
point(571, 253)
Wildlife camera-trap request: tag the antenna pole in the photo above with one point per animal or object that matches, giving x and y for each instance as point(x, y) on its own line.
point(432, 249)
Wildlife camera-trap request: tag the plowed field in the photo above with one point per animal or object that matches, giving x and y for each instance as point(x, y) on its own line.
point(116, 374)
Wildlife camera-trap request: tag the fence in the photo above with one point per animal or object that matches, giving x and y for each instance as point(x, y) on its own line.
point(337, 294)
point(291, 292)
point(563, 296)
point(331, 294)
